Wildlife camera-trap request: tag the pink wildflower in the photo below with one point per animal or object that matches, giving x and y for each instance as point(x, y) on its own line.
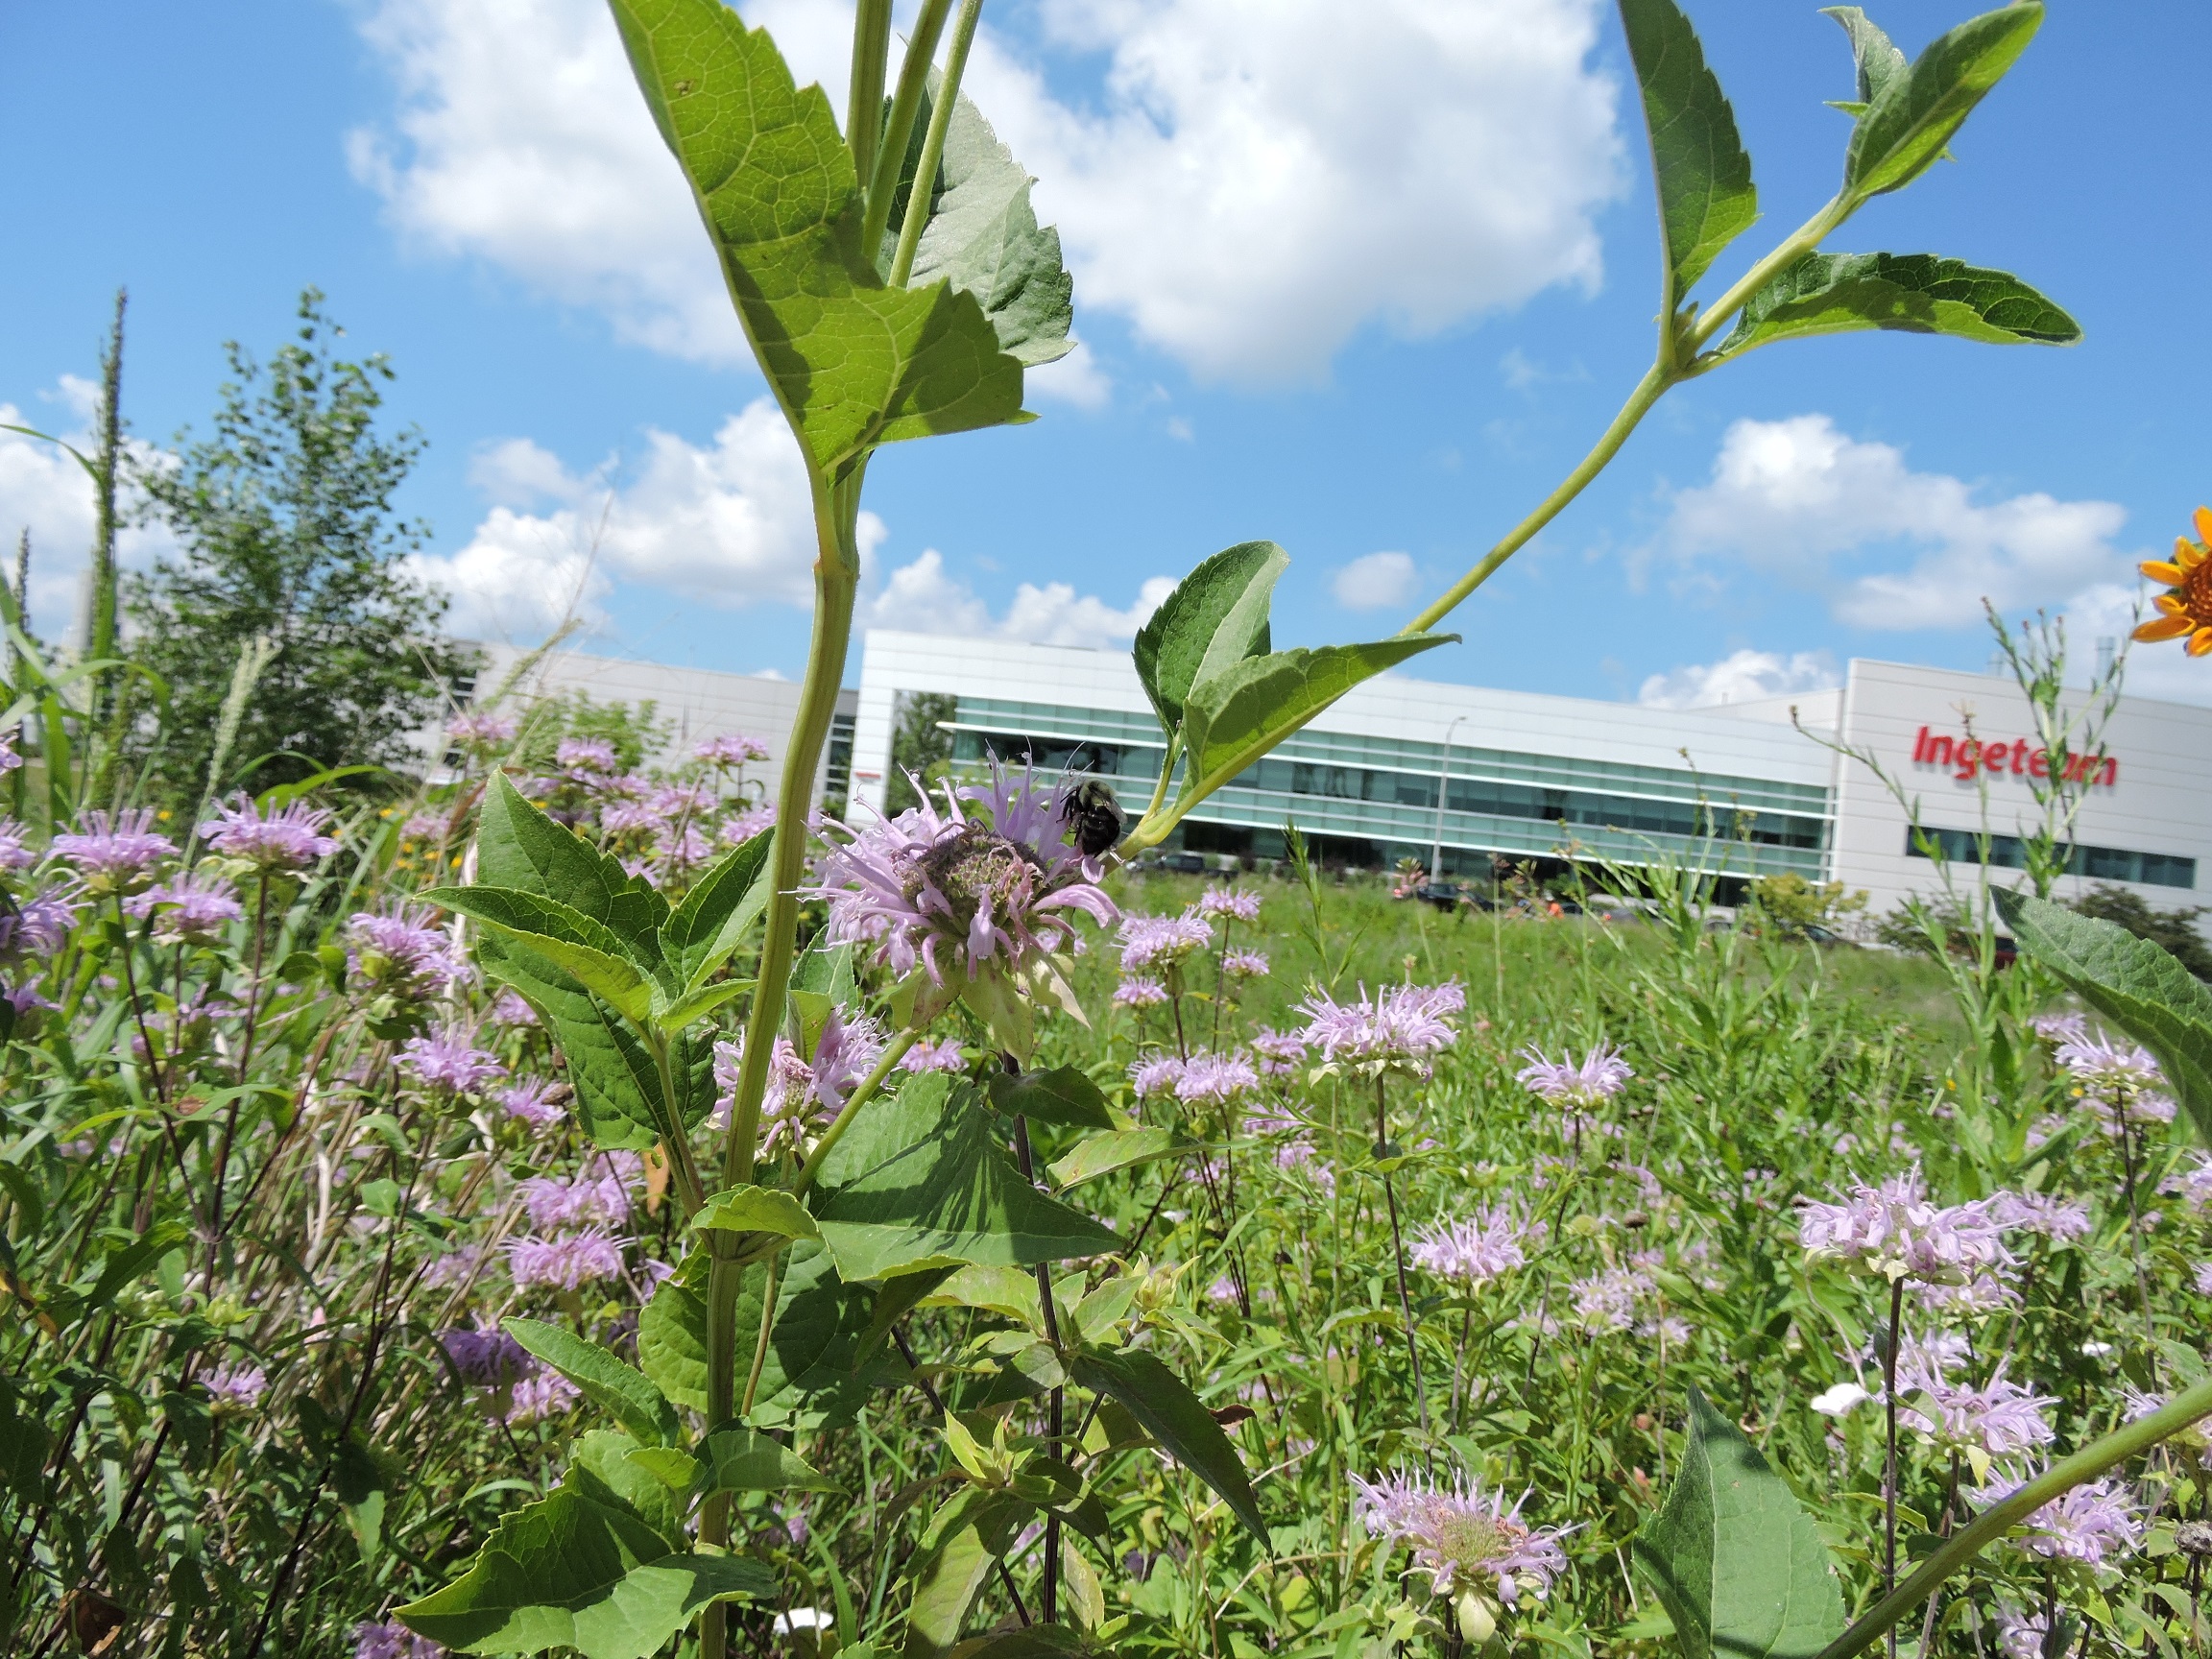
point(282, 839)
point(1897, 1232)
point(1459, 1537)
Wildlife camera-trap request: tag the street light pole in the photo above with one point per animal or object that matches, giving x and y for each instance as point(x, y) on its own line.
point(1443, 788)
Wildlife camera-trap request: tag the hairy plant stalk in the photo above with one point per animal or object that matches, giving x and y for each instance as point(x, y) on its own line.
point(1889, 1446)
point(1056, 1403)
point(863, 1091)
point(918, 205)
point(1398, 1258)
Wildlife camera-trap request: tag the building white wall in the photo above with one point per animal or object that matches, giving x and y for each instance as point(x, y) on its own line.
point(2160, 801)
point(701, 702)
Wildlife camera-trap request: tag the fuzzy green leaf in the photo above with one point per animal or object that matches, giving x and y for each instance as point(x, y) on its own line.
point(618, 1089)
point(572, 1571)
point(706, 930)
point(588, 953)
point(1215, 619)
point(614, 1387)
point(1235, 718)
point(1103, 1154)
point(972, 1528)
point(1172, 1415)
point(1907, 124)
point(1913, 293)
point(920, 1183)
point(519, 846)
point(2139, 986)
point(1874, 55)
point(1706, 197)
point(983, 238)
point(854, 363)
point(610, 1467)
point(1063, 1094)
point(672, 1342)
point(756, 1209)
point(747, 1460)
point(814, 1346)
point(1735, 1557)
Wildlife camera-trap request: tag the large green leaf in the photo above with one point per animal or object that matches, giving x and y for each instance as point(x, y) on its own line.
point(1874, 55)
point(972, 1528)
point(586, 950)
point(1172, 1415)
point(1061, 1095)
point(1706, 197)
point(706, 930)
point(854, 363)
point(1910, 120)
point(919, 1182)
point(2139, 986)
point(747, 1460)
point(573, 1570)
point(1103, 1154)
point(1736, 1559)
point(756, 1209)
point(1915, 293)
point(1235, 718)
point(611, 1467)
point(618, 1088)
point(620, 1389)
point(814, 1344)
point(984, 239)
point(1217, 617)
point(519, 846)
point(672, 1342)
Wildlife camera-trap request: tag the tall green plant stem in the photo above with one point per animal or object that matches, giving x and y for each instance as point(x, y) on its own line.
point(1993, 1523)
point(836, 579)
point(1680, 338)
point(933, 143)
point(899, 125)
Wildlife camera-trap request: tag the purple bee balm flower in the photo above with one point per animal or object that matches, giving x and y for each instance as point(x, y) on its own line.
point(986, 887)
point(14, 853)
point(799, 1093)
point(2090, 1524)
point(1402, 1030)
point(1492, 1241)
point(2099, 1062)
point(1461, 1538)
point(1163, 942)
point(1984, 1293)
point(431, 827)
point(9, 760)
point(1245, 964)
point(455, 1266)
point(683, 800)
point(1599, 1075)
point(476, 731)
point(2060, 1028)
point(488, 1358)
point(399, 951)
point(677, 854)
point(567, 1263)
point(2056, 1218)
point(389, 1639)
point(188, 909)
point(530, 1101)
point(599, 1193)
point(2022, 1635)
point(734, 748)
point(1299, 1157)
point(1137, 991)
point(592, 755)
point(449, 1060)
point(628, 818)
point(1998, 1419)
point(24, 997)
point(1236, 902)
point(1155, 1076)
point(282, 839)
point(544, 1393)
point(1278, 1053)
point(1606, 1300)
point(114, 852)
point(1895, 1231)
point(508, 1008)
point(1216, 1079)
point(39, 925)
point(942, 1056)
point(236, 1385)
point(741, 826)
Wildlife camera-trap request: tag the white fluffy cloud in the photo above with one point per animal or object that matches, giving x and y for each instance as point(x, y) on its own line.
point(1743, 677)
point(1254, 181)
point(924, 597)
point(728, 524)
point(1800, 498)
point(44, 491)
point(1375, 582)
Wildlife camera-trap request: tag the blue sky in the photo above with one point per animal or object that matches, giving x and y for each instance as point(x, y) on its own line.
point(1365, 288)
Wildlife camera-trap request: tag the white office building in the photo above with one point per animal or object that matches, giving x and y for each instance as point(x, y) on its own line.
point(1402, 766)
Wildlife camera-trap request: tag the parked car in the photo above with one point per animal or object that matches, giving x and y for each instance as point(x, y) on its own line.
point(1444, 895)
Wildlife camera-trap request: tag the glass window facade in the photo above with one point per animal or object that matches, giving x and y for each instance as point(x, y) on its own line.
point(2096, 863)
point(1384, 790)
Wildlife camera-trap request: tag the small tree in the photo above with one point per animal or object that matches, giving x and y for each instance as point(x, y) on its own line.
point(920, 745)
point(285, 520)
point(2173, 929)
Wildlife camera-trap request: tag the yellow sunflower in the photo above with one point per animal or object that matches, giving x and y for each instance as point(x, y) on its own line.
point(2186, 608)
